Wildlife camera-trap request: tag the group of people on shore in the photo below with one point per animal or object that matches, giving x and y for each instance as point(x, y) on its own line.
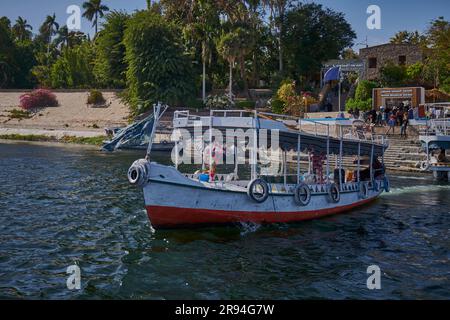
point(388, 117)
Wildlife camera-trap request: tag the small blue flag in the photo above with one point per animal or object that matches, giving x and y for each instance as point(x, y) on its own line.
point(332, 74)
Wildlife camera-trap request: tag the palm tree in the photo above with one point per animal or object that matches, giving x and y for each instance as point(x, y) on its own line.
point(49, 28)
point(93, 9)
point(22, 30)
point(68, 38)
point(228, 47)
point(63, 37)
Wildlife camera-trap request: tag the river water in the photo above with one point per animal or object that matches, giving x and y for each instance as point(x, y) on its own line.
point(65, 205)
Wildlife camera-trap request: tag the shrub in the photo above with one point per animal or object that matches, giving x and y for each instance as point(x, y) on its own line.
point(95, 97)
point(362, 105)
point(246, 104)
point(37, 99)
point(219, 102)
point(286, 91)
point(276, 105)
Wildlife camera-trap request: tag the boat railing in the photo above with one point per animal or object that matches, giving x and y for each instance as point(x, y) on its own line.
point(435, 127)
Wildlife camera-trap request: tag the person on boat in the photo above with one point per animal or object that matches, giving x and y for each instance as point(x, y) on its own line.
point(377, 168)
point(317, 160)
point(442, 158)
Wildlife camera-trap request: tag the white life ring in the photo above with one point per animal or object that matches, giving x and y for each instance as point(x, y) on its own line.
point(363, 190)
point(258, 190)
point(387, 184)
point(424, 165)
point(302, 194)
point(334, 195)
point(138, 173)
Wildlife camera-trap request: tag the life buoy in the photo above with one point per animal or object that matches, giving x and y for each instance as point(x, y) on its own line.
point(258, 190)
point(138, 173)
point(363, 190)
point(424, 165)
point(302, 194)
point(387, 184)
point(334, 195)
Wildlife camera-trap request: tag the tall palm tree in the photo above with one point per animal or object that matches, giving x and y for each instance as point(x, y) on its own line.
point(68, 38)
point(93, 9)
point(22, 30)
point(49, 29)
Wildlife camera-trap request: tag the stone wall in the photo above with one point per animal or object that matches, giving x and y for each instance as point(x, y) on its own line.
point(389, 52)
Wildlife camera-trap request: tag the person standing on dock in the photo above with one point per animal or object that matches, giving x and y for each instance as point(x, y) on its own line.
point(391, 124)
point(404, 128)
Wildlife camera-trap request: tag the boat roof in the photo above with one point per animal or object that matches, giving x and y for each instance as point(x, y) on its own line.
point(314, 135)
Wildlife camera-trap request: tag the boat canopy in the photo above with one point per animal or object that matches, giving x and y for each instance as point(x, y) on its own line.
point(313, 136)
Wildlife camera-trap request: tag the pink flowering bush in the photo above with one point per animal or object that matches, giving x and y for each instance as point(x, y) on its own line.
point(38, 99)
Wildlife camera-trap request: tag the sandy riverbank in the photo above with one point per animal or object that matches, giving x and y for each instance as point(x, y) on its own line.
point(72, 117)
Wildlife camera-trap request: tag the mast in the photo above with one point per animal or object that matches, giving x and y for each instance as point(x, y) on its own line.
point(158, 111)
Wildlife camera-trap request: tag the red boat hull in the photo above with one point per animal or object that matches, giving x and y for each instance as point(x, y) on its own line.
point(169, 217)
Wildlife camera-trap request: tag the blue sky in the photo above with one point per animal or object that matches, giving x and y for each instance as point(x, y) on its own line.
point(395, 14)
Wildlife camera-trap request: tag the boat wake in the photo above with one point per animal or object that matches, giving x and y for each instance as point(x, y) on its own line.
point(248, 227)
point(416, 189)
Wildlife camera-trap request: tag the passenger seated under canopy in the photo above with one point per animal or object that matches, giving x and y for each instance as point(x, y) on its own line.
point(377, 166)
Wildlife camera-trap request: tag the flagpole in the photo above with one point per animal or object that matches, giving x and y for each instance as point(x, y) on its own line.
point(340, 96)
point(340, 85)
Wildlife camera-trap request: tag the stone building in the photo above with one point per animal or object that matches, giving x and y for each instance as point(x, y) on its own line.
point(376, 57)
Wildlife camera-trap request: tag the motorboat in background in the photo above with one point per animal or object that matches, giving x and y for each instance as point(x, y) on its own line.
point(435, 139)
point(137, 136)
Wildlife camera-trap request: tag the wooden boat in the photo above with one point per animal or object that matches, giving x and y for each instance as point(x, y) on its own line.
point(174, 199)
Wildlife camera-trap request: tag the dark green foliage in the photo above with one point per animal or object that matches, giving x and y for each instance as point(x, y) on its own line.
point(158, 69)
point(363, 96)
point(246, 104)
point(312, 35)
point(74, 69)
point(110, 66)
point(277, 106)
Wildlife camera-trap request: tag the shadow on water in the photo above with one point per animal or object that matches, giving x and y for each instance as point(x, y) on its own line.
point(62, 205)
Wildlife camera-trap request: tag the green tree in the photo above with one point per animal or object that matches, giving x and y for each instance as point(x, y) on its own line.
point(229, 48)
point(69, 39)
point(349, 54)
point(277, 14)
point(363, 96)
point(392, 75)
point(48, 29)
point(110, 65)
point(22, 30)
point(6, 53)
point(406, 37)
point(313, 35)
point(94, 9)
point(158, 68)
point(201, 28)
point(437, 65)
point(74, 68)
